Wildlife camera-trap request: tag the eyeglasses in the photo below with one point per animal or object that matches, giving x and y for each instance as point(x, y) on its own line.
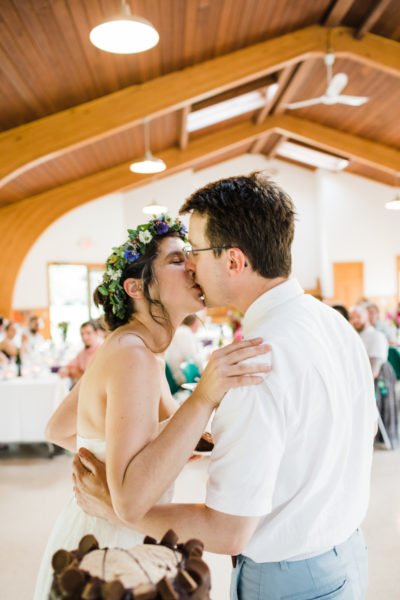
point(188, 251)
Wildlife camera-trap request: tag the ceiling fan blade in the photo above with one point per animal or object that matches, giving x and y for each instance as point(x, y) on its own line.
point(304, 103)
point(352, 100)
point(337, 84)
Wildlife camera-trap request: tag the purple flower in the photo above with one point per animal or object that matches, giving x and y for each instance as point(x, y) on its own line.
point(161, 227)
point(131, 255)
point(183, 228)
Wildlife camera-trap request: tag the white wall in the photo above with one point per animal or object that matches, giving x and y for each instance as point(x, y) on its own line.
point(355, 226)
point(341, 217)
point(84, 235)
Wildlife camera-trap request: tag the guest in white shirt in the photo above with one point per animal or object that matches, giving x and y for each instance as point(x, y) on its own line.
point(184, 347)
point(389, 331)
point(374, 341)
point(289, 476)
point(32, 338)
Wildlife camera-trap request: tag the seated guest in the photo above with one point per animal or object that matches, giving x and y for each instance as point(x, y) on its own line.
point(32, 337)
point(184, 347)
point(342, 310)
point(101, 329)
point(91, 342)
point(2, 328)
point(375, 342)
point(377, 348)
point(8, 345)
point(388, 331)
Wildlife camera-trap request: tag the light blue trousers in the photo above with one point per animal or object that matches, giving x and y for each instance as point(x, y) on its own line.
point(339, 574)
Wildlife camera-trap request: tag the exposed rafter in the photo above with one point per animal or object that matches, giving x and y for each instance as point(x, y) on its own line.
point(283, 78)
point(294, 84)
point(339, 9)
point(372, 18)
point(184, 134)
point(274, 150)
point(22, 223)
point(34, 143)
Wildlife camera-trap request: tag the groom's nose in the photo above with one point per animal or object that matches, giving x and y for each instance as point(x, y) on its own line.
point(190, 266)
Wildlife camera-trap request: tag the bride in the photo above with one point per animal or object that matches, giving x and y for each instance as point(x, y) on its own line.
point(121, 409)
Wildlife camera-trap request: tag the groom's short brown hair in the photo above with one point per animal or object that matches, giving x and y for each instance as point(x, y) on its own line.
point(251, 213)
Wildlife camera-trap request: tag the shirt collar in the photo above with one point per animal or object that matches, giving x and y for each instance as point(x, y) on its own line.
point(288, 290)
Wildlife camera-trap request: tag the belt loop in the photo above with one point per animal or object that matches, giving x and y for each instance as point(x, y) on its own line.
point(335, 550)
point(284, 565)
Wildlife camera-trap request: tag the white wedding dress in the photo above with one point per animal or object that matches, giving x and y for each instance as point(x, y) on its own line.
point(73, 524)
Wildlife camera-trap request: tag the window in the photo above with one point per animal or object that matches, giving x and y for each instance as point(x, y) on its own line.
point(71, 288)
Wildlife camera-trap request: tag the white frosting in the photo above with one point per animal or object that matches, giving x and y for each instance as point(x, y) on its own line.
point(140, 565)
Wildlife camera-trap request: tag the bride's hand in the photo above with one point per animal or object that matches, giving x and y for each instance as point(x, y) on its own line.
point(90, 486)
point(229, 367)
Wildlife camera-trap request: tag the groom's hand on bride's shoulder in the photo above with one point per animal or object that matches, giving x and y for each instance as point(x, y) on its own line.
point(90, 485)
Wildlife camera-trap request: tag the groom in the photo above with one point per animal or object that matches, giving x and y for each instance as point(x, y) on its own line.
point(288, 481)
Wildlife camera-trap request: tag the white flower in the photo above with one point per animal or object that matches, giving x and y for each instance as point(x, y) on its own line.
point(115, 275)
point(145, 237)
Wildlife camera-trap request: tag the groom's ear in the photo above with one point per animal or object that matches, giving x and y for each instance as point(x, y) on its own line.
point(134, 288)
point(237, 260)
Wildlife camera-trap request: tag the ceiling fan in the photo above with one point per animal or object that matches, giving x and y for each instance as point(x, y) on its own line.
point(335, 84)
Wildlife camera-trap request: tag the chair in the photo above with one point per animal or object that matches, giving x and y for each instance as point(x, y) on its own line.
point(190, 371)
point(394, 359)
point(173, 385)
point(388, 407)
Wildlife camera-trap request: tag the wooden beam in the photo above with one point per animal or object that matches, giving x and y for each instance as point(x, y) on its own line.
point(274, 150)
point(184, 134)
point(282, 81)
point(252, 86)
point(34, 142)
point(331, 140)
point(23, 147)
point(337, 12)
point(23, 222)
point(373, 50)
point(372, 18)
point(301, 71)
point(259, 143)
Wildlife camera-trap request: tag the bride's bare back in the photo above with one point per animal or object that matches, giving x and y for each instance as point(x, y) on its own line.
point(118, 351)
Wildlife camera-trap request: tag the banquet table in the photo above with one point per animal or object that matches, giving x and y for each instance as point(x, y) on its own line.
point(26, 405)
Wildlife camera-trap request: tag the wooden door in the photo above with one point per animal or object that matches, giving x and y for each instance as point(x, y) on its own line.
point(348, 281)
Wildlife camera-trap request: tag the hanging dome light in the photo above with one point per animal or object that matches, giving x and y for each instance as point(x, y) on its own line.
point(154, 209)
point(124, 34)
point(394, 204)
point(149, 163)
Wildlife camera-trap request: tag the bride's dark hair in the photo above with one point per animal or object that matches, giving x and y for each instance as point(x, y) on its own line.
point(142, 269)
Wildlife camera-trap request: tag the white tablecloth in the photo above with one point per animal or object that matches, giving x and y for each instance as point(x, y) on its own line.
point(26, 405)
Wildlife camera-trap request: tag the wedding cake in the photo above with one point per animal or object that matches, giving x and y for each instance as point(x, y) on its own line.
point(149, 571)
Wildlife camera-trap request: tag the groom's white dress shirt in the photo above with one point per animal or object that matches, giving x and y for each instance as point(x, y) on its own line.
point(296, 450)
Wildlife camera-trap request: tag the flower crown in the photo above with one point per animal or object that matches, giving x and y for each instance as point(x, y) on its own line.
point(130, 252)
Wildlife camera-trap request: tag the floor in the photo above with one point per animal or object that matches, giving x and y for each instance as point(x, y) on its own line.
point(33, 489)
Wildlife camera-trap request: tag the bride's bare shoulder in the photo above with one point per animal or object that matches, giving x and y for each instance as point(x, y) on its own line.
point(128, 345)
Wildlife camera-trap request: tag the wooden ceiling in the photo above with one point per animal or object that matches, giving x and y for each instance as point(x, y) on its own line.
point(72, 116)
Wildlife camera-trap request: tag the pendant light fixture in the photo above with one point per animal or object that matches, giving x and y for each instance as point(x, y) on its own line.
point(149, 164)
point(154, 208)
point(124, 33)
point(395, 203)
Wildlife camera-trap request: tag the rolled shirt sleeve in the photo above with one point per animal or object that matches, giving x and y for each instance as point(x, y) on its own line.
point(249, 430)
